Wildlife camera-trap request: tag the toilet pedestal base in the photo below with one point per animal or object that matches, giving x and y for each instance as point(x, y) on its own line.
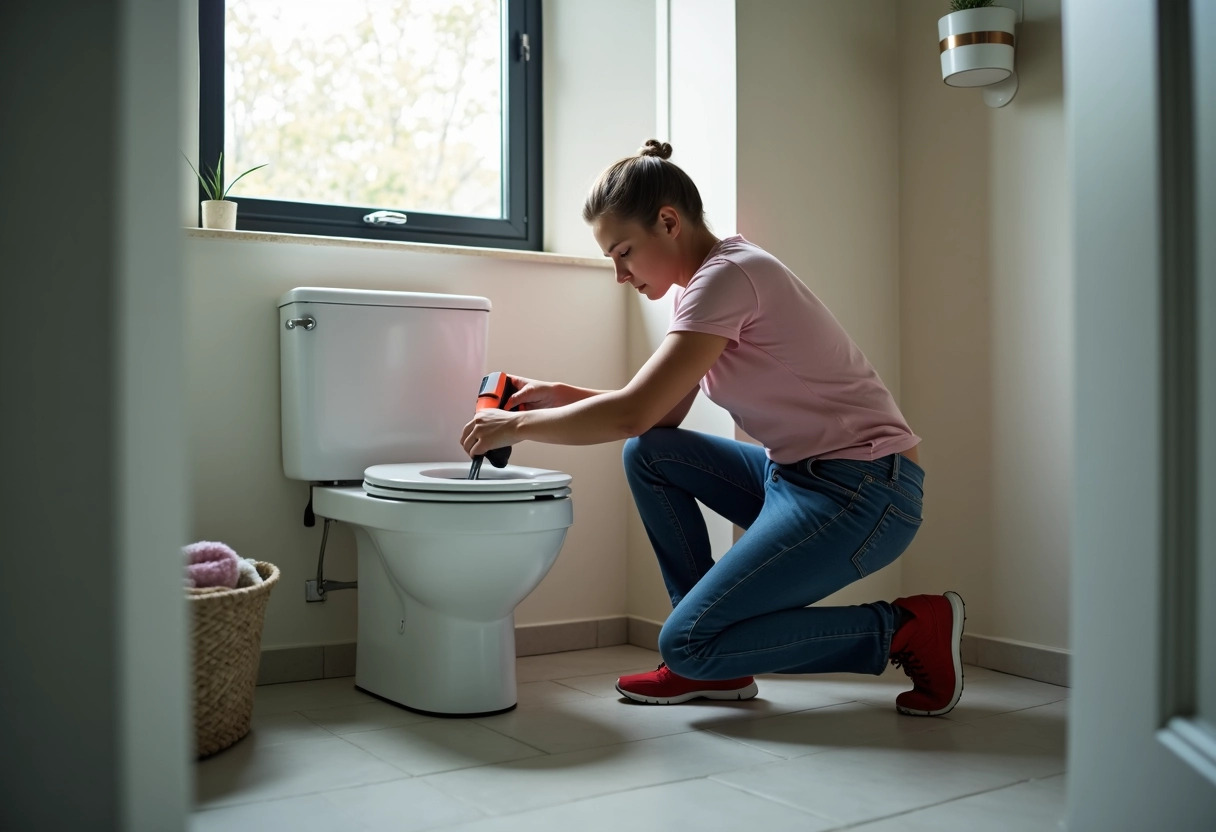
point(424, 660)
point(441, 665)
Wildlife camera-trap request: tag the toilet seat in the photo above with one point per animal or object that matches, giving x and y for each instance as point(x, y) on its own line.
point(448, 482)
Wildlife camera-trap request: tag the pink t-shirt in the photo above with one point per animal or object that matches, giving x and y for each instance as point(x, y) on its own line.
point(790, 376)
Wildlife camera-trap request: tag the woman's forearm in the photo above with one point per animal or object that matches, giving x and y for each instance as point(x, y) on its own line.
point(600, 416)
point(569, 394)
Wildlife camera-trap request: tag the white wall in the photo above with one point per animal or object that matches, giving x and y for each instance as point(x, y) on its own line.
point(818, 137)
point(986, 330)
point(599, 104)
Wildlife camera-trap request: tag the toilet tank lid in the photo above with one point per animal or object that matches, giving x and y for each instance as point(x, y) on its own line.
point(368, 297)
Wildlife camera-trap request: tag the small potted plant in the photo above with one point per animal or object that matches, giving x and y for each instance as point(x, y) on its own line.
point(976, 43)
point(218, 210)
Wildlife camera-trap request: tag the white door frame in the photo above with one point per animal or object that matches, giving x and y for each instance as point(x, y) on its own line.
point(1142, 753)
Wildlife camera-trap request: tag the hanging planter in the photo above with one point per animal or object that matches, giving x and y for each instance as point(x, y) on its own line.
point(977, 45)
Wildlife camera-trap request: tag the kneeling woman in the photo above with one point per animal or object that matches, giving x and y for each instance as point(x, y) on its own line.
point(833, 494)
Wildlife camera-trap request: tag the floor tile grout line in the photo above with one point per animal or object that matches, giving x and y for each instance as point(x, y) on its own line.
point(422, 721)
point(540, 751)
point(588, 748)
point(776, 800)
point(749, 746)
point(352, 786)
point(296, 796)
point(792, 713)
point(492, 729)
point(927, 806)
point(596, 796)
point(770, 798)
point(854, 824)
point(626, 790)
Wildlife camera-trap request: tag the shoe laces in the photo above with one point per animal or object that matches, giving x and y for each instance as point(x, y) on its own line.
point(907, 661)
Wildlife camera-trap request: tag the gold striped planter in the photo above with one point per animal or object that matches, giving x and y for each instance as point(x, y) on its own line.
point(976, 46)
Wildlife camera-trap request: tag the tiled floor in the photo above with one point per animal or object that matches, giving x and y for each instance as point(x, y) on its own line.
point(808, 754)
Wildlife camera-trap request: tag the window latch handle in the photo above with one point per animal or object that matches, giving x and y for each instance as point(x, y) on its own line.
point(385, 218)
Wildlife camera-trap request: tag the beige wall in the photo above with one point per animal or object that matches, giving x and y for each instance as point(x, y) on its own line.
point(240, 493)
point(986, 330)
point(818, 134)
point(935, 228)
point(696, 106)
point(550, 320)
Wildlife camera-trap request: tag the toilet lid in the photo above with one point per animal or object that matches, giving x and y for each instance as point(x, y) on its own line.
point(449, 482)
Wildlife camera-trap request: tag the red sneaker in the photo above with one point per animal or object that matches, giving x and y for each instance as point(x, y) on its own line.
point(662, 687)
point(927, 647)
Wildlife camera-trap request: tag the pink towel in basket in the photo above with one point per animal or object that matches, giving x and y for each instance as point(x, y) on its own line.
point(209, 563)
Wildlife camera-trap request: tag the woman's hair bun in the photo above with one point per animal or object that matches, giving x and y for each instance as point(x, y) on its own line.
point(654, 147)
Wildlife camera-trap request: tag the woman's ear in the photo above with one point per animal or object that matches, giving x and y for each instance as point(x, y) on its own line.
point(669, 221)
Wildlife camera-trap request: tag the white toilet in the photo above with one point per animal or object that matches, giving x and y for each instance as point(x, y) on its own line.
point(375, 389)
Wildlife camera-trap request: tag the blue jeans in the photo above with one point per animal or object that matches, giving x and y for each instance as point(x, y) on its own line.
point(812, 527)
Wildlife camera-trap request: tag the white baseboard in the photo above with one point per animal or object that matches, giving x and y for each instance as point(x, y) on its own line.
point(302, 664)
point(305, 664)
point(1019, 658)
point(644, 633)
point(538, 639)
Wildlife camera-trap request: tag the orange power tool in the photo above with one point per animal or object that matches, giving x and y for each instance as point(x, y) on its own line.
point(496, 389)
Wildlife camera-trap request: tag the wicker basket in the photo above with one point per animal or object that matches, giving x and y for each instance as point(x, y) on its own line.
point(227, 632)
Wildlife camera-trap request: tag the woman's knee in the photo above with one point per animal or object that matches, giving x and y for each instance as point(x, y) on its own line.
point(632, 452)
point(639, 451)
point(677, 649)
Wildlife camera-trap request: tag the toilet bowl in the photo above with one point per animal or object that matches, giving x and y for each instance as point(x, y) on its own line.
point(370, 377)
point(443, 562)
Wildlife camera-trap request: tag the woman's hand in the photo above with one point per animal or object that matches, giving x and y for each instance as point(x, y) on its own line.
point(535, 395)
point(490, 428)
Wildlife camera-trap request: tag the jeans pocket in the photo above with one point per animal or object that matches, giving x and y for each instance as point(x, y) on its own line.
point(890, 537)
point(832, 478)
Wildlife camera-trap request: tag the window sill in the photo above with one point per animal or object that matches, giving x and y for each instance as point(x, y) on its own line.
point(389, 245)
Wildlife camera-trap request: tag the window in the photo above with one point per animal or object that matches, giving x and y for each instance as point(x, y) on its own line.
point(414, 120)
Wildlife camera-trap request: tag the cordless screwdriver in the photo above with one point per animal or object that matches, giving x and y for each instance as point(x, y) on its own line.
point(496, 389)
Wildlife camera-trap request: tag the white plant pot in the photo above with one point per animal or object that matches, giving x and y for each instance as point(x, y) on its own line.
point(977, 46)
point(219, 213)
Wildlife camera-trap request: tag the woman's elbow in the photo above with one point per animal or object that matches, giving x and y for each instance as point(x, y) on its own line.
point(636, 424)
point(636, 427)
point(629, 430)
point(633, 418)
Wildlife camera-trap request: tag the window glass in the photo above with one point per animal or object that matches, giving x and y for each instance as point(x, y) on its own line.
point(393, 104)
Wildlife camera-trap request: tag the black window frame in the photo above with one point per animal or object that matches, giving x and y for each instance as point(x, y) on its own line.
point(521, 228)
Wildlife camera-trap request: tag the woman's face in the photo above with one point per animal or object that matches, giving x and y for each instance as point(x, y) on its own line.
point(645, 258)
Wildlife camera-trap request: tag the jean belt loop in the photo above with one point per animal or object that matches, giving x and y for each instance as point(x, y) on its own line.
point(895, 467)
